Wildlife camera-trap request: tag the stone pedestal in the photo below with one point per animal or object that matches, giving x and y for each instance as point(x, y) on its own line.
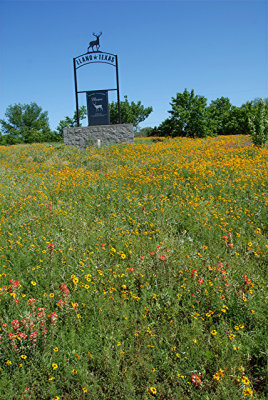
point(86, 136)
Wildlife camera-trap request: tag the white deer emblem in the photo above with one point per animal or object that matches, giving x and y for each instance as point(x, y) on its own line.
point(98, 107)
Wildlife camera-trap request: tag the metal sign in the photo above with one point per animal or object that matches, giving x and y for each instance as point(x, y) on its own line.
point(95, 56)
point(98, 107)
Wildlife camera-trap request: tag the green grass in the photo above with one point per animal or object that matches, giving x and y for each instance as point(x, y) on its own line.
point(134, 271)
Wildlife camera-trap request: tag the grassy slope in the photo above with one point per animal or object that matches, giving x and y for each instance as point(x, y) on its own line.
point(161, 246)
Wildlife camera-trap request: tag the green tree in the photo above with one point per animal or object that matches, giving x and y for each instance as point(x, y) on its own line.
point(219, 115)
point(26, 123)
point(189, 116)
point(166, 128)
point(258, 123)
point(258, 99)
point(70, 122)
point(237, 122)
point(131, 113)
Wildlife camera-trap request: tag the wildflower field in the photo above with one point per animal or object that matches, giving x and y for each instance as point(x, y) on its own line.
point(133, 271)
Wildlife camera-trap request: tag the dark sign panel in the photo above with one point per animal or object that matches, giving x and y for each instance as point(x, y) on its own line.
point(98, 107)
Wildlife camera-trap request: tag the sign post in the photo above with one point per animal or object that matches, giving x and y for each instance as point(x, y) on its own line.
point(76, 94)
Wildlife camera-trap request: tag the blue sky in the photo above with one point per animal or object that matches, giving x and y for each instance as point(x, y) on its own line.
point(218, 48)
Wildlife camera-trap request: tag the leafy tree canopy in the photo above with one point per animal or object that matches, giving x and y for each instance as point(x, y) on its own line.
point(258, 100)
point(189, 115)
point(26, 123)
point(218, 113)
point(131, 113)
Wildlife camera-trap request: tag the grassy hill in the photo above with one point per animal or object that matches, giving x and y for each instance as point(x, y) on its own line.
point(133, 271)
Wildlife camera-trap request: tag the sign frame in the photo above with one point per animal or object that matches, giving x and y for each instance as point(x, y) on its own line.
point(90, 58)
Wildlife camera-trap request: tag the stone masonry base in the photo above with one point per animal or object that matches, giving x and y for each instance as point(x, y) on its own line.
point(86, 136)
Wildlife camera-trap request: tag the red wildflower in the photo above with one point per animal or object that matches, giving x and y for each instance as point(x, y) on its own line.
point(14, 285)
point(60, 303)
point(15, 324)
point(54, 317)
point(31, 303)
point(33, 336)
point(65, 290)
point(51, 247)
point(49, 206)
point(196, 380)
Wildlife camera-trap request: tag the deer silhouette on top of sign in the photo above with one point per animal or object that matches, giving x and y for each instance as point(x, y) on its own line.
point(95, 43)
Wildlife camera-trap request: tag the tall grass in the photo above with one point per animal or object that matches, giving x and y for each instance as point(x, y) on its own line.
point(133, 271)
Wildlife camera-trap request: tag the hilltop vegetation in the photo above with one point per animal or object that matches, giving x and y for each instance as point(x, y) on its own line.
point(190, 116)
